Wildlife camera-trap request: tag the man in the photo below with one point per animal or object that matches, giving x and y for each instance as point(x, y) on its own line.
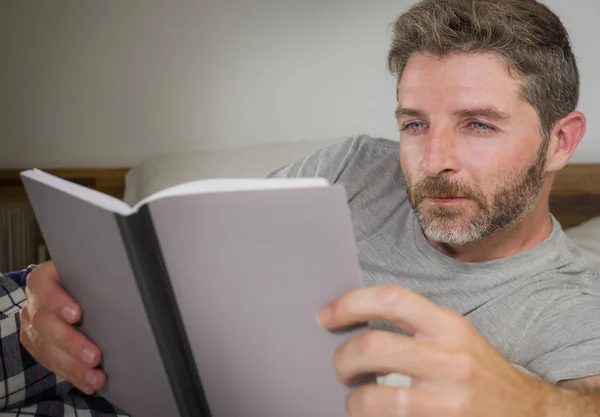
point(462, 260)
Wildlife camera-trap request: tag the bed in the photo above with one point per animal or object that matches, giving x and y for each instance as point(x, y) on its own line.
point(575, 198)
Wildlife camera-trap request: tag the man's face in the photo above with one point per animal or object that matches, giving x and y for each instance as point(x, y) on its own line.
point(470, 148)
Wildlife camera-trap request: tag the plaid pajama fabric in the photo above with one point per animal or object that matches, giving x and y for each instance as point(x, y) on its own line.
point(26, 387)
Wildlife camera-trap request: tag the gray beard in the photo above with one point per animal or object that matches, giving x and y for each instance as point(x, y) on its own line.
point(478, 227)
point(450, 226)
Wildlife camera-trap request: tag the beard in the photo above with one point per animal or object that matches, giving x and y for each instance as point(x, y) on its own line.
point(514, 199)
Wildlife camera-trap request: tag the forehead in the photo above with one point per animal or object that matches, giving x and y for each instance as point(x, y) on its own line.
point(462, 80)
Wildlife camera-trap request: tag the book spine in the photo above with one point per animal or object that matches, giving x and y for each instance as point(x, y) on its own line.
point(157, 294)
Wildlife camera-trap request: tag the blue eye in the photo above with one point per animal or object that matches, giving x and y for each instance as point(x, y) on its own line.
point(480, 127)
point(415, 126)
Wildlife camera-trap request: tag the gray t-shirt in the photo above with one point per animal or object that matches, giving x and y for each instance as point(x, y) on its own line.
point(540, 308)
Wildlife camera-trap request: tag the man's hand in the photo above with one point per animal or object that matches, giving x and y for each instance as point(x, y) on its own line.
point(455, 371)
point(47, 332)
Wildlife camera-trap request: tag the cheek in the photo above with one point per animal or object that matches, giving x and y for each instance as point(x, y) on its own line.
point(411, 152)
point(496, 175)
point(490, 165)
point(409, 161)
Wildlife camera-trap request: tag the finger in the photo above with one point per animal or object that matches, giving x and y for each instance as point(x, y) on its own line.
point(85, 378)
point(55, 332)
point(43, 288)
point(57, 360)
point(382, 353)
point(375, 401)
point(383, 401)
point(404, 308)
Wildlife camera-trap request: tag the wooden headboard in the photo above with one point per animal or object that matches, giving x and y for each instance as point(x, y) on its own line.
point(575, 196)
point(110, 181)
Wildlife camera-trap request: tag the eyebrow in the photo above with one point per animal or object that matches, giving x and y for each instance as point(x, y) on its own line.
point(403, 111)
point(490, 113)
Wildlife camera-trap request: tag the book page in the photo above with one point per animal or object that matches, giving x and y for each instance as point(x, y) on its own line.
point(204, 186)
point(250, 272)
point(94, 197)
point(219, 185)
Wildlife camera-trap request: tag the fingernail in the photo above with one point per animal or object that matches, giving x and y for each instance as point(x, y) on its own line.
point(324, 316)
point(88, 390)
point(91, 378)
point(68, 313)
point(88, 356)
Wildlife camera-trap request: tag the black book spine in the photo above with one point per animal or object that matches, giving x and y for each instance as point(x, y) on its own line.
point(163, 313)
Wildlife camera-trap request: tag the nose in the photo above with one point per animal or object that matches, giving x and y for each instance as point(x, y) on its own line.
point(440, 154)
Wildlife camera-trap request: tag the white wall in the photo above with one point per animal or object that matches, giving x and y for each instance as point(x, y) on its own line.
point(86, 83)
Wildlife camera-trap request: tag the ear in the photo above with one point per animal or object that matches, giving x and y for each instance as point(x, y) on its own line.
point(564, 139)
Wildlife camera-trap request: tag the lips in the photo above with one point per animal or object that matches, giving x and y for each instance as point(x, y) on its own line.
point(443, 191)
point(446, 197)
point(442, 200)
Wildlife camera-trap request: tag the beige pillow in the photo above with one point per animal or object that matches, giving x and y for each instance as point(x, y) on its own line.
point(163, 171)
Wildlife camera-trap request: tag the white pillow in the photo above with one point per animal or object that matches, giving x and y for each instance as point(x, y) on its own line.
point(163, 171)
point(587, 237)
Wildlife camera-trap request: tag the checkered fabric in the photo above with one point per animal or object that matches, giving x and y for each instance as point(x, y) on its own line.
point(26, 387)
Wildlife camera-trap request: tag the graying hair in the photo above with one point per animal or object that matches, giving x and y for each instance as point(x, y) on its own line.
point(526, 34)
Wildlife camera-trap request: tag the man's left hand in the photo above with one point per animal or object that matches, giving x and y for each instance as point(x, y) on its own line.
point(454, 370)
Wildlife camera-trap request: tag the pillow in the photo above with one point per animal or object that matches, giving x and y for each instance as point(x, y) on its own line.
point(162, 171)
point(587, 237)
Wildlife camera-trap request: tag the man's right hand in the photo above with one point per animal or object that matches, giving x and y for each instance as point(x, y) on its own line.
point(49, 334)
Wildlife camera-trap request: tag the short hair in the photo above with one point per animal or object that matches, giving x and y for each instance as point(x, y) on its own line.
point(527, 35)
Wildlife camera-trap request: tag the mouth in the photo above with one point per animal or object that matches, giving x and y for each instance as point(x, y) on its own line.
point(445, 200)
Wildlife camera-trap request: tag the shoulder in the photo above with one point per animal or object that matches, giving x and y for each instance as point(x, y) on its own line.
point(351, 156)
point(369, 150)
point(362, 143)
point(569, 284)
point(560, 337)
point(564, 268)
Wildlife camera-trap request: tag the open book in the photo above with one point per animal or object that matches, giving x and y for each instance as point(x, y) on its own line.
point(203, 297)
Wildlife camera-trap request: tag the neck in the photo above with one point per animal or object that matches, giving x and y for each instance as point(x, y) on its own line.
point(525, 234)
